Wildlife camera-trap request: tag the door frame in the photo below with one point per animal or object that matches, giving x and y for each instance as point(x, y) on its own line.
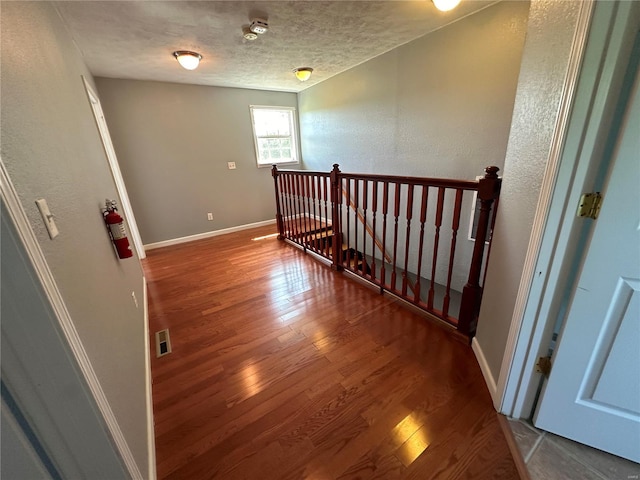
point(103, 130)
point(600, 52)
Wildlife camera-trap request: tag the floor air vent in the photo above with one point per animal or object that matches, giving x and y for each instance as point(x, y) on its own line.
point(163, 343)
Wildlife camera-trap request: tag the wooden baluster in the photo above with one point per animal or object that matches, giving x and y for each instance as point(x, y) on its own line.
point(316, 236)
point(325, 198)
point(396, 214)
point(374, 209)
point(336, 205)
point(488, 191)
point(356, 186)
point(287, 185)
point(274, 174)
point(312, 221)
point(385, 209)
point(455, 225)
point(406, 247)
point(423, 219)
point(296, 189)
point(348, 229)
point(301, 219)
point(294, 210)
point(365, 201)
point(436, 241)
point(305, 216)
point(285, 213)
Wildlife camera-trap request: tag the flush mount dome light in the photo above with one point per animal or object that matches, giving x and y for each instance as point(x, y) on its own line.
point(188, 60)
point(303, 73)
point(446, 5)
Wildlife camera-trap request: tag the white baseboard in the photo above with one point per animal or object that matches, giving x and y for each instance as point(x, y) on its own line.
point(200, 236)
point(486, 373)
point(151, 434)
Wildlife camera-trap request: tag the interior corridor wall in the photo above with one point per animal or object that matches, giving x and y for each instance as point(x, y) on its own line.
point(52, 150)
point(439, 106)
point(173, 142)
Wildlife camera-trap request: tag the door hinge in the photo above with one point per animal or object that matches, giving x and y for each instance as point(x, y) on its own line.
point(544, 366)
point(589, 205)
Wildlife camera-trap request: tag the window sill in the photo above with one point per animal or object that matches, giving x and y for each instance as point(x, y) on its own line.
point(269, 165)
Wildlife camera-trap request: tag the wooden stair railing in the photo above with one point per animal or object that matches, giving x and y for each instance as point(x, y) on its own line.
point(376, 215)
point(368, 228)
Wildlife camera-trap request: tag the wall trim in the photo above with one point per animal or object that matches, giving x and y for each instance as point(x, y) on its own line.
point(506, 387)
point(201, 236)
point(45, 276)
point(486, 373)
point(151, 434)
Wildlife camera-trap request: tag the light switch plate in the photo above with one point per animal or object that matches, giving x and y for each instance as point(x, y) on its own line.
point(47, 217)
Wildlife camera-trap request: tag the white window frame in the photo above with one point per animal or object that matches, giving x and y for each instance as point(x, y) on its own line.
point(295, 151)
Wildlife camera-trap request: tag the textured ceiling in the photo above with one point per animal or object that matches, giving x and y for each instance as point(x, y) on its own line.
point(135, 39)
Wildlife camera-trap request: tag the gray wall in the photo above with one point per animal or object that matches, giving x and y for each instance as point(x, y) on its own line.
point(544, 64)
point(439, 106)
point(173, 143)
point(52, 150)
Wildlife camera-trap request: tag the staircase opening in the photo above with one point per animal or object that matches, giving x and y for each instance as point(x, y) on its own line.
point(406, 235)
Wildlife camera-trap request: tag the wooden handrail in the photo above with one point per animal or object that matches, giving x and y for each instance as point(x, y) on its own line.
point(304, 199)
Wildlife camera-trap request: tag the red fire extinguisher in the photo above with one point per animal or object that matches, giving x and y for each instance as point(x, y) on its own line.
point(115, 225)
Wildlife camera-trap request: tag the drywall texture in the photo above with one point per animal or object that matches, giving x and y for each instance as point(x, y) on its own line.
point(173, 143)
point(439, 106)
point(52, 150)
point(544, 65)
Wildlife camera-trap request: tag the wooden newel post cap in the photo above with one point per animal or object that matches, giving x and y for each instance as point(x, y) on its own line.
point(491, 172)
point(274, 170)
point(336, 167)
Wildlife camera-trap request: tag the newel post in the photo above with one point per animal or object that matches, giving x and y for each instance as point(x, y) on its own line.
point(488, 192)
point(336, 201)
point(280, 224)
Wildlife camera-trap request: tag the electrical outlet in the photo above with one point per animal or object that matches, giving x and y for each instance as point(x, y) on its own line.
point(209, 216)
point(231, 165)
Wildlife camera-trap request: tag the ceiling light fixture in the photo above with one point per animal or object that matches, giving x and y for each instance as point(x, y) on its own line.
point(446, 5)
point(303, 73)
point(259, 26)
point(248, 34)
point(188, 60)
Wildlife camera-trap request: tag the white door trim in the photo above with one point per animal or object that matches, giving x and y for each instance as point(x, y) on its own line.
point(19, 217)
point(103, 130)
point(574, 157)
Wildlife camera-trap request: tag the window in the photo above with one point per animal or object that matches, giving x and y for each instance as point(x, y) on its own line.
point(274, 134)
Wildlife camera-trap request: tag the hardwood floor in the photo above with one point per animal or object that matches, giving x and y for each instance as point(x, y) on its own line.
point(284, 369)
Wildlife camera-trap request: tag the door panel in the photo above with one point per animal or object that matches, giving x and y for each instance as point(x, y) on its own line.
point(593, 392)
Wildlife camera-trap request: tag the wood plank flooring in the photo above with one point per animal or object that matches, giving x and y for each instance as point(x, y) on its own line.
point(284, 369)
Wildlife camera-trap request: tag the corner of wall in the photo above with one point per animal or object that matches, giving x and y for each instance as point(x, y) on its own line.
point(486, 373)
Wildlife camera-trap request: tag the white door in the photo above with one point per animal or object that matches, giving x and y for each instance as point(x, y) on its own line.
point(126, 211)
point(593, 393)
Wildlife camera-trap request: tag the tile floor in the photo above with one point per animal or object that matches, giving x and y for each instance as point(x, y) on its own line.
point(548, 456)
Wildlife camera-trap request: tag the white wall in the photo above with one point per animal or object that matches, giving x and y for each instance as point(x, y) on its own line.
point(173, 143)
point(52, 150)
point(544, 65)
